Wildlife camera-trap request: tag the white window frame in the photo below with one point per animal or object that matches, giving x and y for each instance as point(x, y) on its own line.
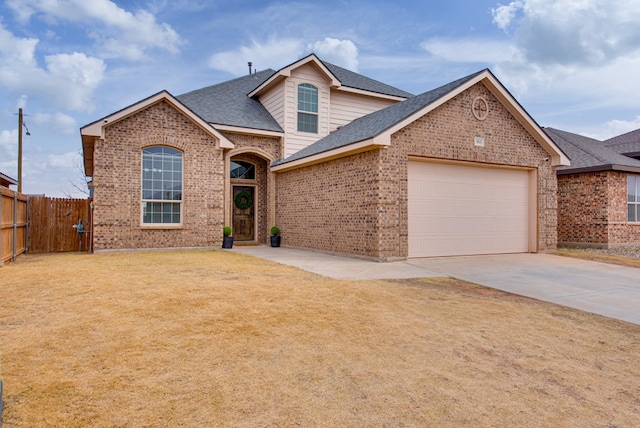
point(311, 113)
point(636, 196)
point(145, 201)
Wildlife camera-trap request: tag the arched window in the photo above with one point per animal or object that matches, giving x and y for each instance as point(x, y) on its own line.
point(307, 108)
point(161, 186)
point(243, 170)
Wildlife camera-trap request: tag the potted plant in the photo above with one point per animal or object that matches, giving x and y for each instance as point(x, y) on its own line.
point(227, 240)
point(275, 236)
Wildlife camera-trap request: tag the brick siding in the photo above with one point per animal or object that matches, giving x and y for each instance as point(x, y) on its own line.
point(357, 205)
point(117, 181)
point(592, 210)
point(332, 206)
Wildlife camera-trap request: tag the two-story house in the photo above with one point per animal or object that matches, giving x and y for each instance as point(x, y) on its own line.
point(340, 162)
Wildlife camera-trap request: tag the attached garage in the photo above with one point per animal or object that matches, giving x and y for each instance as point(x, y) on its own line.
point(464, 209)
point(460, 170)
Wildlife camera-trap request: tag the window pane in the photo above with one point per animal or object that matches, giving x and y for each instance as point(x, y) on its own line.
point(161, 212)
point(308, 98)
point(631, 188)
point(161, 181)
point(631, 212)
point(243, 170)
point(307, 122)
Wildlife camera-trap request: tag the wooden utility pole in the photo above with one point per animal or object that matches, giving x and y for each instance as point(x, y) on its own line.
point(20, 150)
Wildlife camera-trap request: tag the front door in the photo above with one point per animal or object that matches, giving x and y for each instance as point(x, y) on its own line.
point(244, 213)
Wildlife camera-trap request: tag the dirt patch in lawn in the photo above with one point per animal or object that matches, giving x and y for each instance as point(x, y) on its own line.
point(210, 338)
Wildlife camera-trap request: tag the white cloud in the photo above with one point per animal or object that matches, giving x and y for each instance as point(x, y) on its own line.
point(615, 127)
point(9, 143)
point(67, 81)
point(275, 53)
point(340, 52)
point(579, 47)
point(470, 50)
point(79, 73)
point(59, 122)
point(573, 32)
point(118, 32)
point(503, 15)
point(65, 161)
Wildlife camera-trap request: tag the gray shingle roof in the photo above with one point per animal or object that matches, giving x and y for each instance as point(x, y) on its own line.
point(628, 143)
point(375, 123)
point(227, 103)
point(588, 154)
point(358, 81)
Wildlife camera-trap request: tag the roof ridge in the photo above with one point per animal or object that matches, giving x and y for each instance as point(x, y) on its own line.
point(333, 68)
point(236, 79)
point(612, 141)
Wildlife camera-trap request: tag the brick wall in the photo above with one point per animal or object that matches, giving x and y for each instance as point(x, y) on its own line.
point(592, 210)
point(357, 205)
point(117, 181)
point(332, 206)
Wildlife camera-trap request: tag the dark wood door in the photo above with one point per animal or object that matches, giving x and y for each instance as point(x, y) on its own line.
point(243, 213)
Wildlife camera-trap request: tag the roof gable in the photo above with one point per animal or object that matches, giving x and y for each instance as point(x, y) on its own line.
point(338, 77)
point(376, 128)
point(95, 130)
point(590, 155)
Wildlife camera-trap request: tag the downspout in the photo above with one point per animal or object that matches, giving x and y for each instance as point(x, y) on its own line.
point(91, 226)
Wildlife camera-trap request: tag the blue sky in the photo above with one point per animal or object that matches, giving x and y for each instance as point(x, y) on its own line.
point(572, 64)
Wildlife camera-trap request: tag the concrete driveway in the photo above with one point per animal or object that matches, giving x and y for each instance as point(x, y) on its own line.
point(609, 290)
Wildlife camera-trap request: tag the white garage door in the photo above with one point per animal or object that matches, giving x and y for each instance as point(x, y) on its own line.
point(465, 210)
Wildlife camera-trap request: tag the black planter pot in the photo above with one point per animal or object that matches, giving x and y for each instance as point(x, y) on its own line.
point(227, 242)
point(275, 241)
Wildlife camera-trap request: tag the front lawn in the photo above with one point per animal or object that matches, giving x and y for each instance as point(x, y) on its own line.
point(212, 338)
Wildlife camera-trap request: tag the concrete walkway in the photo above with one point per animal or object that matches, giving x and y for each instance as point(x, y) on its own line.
point(609, 290)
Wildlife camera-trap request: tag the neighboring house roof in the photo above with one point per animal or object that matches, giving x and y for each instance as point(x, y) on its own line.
point(6, 181)
point(339, 77)
point(627, 144)
point(376, 128)
point(590, 155)
point(227, 103)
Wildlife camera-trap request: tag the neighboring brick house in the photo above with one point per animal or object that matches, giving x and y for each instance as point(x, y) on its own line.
point(599, 194)
point(341, 163)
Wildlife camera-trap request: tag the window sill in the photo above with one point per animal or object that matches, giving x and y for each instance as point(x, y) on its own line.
point(161, 226)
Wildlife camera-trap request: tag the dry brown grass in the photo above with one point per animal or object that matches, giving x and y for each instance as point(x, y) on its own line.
point(586, 254)
point(211, 338)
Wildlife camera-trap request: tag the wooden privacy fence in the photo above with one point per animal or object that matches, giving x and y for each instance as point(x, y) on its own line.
point(13, 224)
point(51, 223)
